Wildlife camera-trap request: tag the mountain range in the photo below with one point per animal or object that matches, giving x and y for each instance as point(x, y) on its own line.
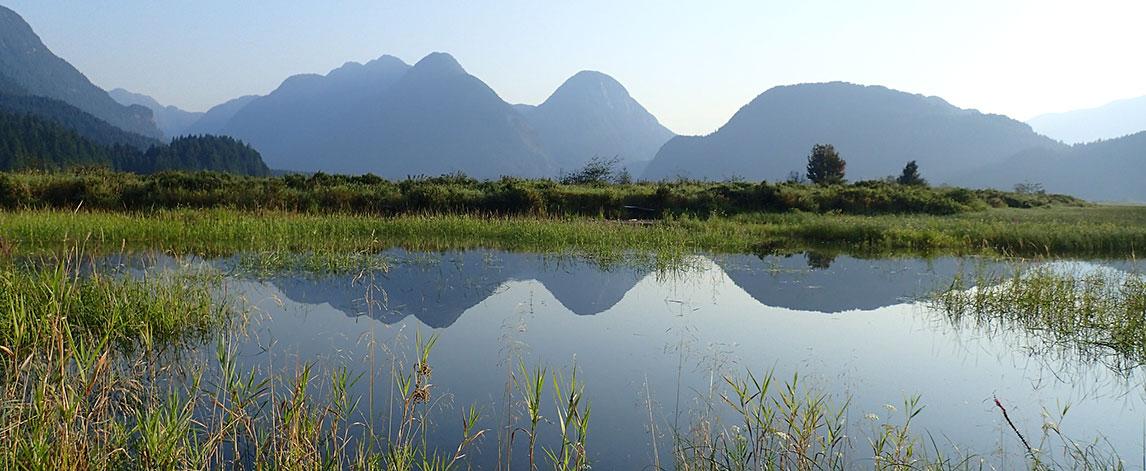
point(1105, 170)
point(438, 293)
point(25, 62)
point(397, 120)
point(213, 120)
point(593, 115)
point(877, 130)
point(53, 117)
point(172, 121)
point(1113, 120)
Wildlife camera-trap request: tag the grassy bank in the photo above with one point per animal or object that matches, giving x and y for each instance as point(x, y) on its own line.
point(1114, 231)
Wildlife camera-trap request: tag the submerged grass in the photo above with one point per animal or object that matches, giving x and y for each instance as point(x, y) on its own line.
point(1097, 313)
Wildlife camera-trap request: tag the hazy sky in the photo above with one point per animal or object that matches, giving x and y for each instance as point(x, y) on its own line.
point(691, 63)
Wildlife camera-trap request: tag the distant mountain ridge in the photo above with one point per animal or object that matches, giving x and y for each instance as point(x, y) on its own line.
point(392, 119)
point(171, 120)
point(1106, 170)
point(27, 63)
point(876, 129)
point(1109, 121)
point(593, 115)
point(214, 119)
point(396, 120)
point(87, 126)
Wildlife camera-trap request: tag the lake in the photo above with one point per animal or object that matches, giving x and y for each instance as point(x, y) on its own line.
point(653, 348)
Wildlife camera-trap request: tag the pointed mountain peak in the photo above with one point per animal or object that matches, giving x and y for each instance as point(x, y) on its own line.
point(441, 63)
point(589, 84)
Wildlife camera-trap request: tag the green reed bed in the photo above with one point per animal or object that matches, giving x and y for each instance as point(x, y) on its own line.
point(78, 352)
point(348, 239)
point(1098, 314)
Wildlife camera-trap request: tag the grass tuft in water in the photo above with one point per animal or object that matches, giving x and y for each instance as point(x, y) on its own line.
point(1096, 313)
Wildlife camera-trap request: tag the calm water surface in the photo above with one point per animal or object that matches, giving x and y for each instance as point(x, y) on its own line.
point(652, 348)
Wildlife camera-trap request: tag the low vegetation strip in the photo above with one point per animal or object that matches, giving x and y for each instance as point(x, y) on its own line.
point(368, 194)
point(1083, 231)
point(1096, 313)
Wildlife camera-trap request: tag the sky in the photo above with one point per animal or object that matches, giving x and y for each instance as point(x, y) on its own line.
point(691, 63)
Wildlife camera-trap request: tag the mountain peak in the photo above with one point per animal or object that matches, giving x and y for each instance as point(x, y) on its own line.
point(589, 85)
point(128, 98)
point(876, 127)
point(29, 66)
point(387, 59)
point(13, 23)
point(440, 62)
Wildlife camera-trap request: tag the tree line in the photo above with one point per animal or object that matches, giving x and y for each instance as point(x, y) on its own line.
point(29, 142)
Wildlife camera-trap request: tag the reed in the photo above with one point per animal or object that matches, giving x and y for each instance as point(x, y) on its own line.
point(284, 240)
point(1096, 314)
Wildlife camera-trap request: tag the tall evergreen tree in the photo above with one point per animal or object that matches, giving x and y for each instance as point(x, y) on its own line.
point(911, 176)
point(825, 167)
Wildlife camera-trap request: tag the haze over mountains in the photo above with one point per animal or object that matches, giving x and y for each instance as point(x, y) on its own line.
point(27, 63)
point(592, 115)
point(215, 118)
point(397, 120)
point(52, 117)
point(876, 129)
point(1108, 170)
point(1113, 120)
point(172, 121)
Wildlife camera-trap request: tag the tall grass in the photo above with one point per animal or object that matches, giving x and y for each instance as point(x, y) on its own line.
point(790, 425)
point(1098, 314)
point(81, 352)
point(106, 372)
point(338, 241)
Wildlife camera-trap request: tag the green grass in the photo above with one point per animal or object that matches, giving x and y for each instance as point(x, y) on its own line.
point(340, 241)
point(1095, 316)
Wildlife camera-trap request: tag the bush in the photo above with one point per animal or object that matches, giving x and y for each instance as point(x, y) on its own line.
point(13, 192)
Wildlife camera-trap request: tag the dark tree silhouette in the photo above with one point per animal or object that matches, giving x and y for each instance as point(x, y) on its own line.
point(825, 167)
point(598, 171)
point(911, 176)
point(31, 142)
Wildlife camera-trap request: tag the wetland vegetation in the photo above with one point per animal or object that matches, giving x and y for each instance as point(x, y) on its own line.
point(107, 366)
point(99, 373)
